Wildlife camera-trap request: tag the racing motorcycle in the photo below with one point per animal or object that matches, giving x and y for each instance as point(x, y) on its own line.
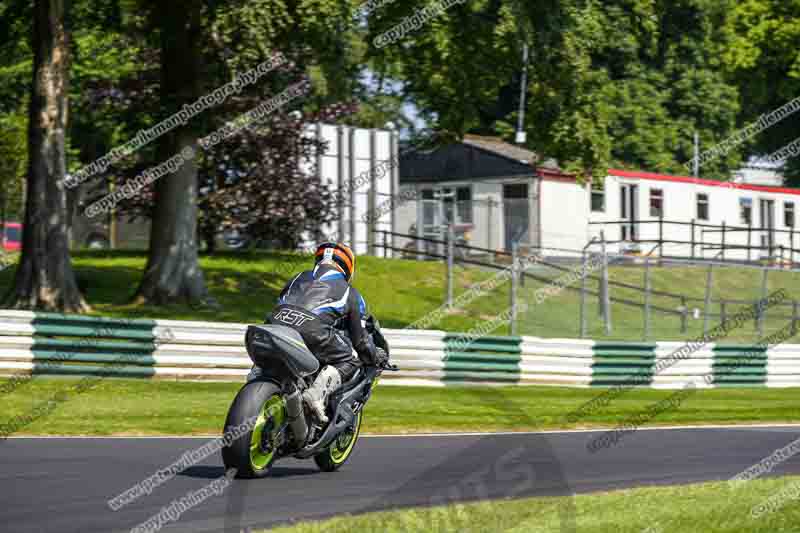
point(271, 411)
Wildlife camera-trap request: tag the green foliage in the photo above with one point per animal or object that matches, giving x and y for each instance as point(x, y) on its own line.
point(765, 50)
point(636, 79)
point(321, 34)
point(451, 66)
point(13, 163)
point(613, 83)
point(764, 61)
point(16, 57)
point(621, 83)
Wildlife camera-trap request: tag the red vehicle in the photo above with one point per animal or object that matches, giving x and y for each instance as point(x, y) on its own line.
point(12, 238)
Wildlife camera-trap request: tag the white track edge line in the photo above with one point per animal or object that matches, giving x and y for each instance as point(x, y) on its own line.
point(411, 435)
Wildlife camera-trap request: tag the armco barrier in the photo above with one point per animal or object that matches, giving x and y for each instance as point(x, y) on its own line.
point(53, 344)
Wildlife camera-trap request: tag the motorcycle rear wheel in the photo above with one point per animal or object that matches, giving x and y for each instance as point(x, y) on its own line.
point(339, 451)
point(253, 453)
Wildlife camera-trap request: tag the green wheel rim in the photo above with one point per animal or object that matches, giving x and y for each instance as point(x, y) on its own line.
point(341, 448)
point(274, 411)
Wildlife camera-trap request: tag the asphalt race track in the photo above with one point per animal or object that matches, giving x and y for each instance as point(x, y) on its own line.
point(62, 485)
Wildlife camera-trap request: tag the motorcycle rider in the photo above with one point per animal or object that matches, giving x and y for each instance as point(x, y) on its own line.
point(330, 315)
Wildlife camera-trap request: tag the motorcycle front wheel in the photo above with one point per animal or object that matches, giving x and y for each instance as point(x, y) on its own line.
point(339, 451)
point(253, 447)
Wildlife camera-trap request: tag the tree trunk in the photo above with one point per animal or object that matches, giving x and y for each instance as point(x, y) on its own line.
point(173, 272)
point(45, 279)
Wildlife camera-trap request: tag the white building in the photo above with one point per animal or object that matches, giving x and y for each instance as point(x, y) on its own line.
point(362, 164)
point(643, 206)
point(490, 190)
point(504, 197)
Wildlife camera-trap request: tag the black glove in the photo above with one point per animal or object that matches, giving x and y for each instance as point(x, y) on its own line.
point(371, 324)
point(381, 357)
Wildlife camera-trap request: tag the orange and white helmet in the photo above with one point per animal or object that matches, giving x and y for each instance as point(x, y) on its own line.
point(340, 254)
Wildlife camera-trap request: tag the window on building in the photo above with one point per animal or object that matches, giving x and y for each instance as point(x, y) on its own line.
point(788, 214)
point(656, 203)
point(449, 202)
point(598, 196)
point(429, 208)
point(746, 210)
point(702, 206)
point(457, 203)
point(464, 204)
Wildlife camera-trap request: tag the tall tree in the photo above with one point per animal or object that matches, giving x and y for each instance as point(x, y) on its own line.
point(44, 278)
point(452, 66)
point(173, 272)
point(279, 152)
point(617, 82)
point(641, 77)
point(764, 60)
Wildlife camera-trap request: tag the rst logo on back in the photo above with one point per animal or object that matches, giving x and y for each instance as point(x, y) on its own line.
point(292, 317)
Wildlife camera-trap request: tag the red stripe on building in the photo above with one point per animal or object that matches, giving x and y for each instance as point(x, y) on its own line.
point(555, 175)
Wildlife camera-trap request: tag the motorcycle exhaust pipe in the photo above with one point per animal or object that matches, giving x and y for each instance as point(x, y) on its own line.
point(294, 412)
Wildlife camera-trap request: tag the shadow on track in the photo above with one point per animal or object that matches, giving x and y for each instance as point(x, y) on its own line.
point(481, 471)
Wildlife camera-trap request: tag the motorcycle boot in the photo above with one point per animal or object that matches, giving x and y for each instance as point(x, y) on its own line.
point(316, 396)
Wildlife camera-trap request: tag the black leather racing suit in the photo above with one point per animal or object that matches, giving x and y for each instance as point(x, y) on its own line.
point(329, 314)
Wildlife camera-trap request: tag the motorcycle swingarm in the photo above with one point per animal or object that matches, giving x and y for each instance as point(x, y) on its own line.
point(344, 411)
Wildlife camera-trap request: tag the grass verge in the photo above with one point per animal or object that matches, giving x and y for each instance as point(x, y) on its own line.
point(699, 508)
point(399, 292)
point(139, 407)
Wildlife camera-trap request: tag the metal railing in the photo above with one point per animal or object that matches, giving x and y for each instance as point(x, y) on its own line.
point(775, 252)
point(454, 253)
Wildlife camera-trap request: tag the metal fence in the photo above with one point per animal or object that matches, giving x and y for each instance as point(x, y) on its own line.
point(480, 219)
point(698, 240)
point(601, 294)
point(610, 296)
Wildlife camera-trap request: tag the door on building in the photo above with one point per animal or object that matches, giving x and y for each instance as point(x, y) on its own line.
point(430, 218)
point(516, 213)
point(431, 214)
point(767, 219)
point(629, 212)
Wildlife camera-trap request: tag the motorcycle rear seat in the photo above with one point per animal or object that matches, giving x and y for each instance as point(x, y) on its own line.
point(272, 341)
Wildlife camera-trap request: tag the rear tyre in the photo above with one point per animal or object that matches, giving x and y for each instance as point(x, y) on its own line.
point(253, 453)
point(339, 451)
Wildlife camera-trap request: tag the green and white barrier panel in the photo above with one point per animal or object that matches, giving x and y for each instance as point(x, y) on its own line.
point(656, 365)
point(54, 344)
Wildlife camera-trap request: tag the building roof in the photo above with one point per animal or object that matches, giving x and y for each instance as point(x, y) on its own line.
point(700, 181)
point(479, 157)
point(552, 174)
point(474, 158)
point(500, 147)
